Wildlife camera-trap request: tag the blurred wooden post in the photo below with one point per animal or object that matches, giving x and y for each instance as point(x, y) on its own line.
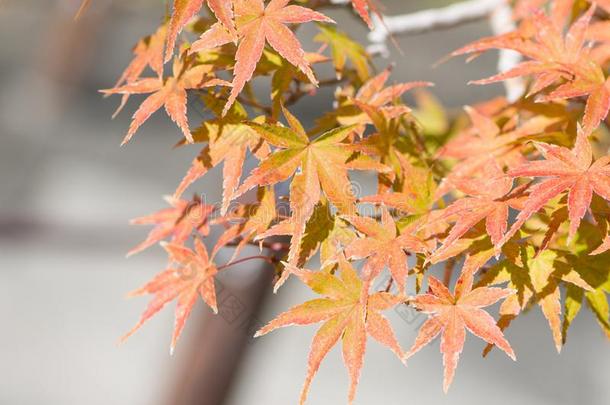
point(215, 354)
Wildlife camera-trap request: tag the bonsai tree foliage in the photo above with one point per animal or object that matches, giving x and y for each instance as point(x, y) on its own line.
point(510, 197)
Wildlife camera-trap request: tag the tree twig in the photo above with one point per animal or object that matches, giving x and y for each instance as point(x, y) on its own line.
point(432, 19)
point(269, 260)
point(501, 22)
point(81, 10)
point(500, 17)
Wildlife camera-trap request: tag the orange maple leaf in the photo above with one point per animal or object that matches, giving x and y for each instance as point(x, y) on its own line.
point(383, 247)
point(257, 25)
point(147, 52)
point(324, 164)
point(483, 142)
point(566, 170)
point(179, 222)
point(170, 93)
point(374, 92)
point(488, 199)
point(192, 276)
point(565, 62)
point(450, 316)
point(349, 313)
point(536, 276)
point(229, 143)
point(184, 11)
point(363, 7)
point(374, 100)
point(246, 222)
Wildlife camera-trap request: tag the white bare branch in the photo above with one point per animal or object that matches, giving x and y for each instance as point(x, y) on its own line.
point(427, 20)
point(501, 22)
point(498, 12)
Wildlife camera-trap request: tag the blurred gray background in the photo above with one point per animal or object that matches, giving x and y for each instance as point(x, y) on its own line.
point(67, 191)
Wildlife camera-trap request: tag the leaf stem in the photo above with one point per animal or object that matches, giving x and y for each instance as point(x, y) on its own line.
point(268, 259)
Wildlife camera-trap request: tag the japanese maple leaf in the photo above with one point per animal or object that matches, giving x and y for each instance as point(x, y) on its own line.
point(488, 199)
point(536, 278)
point(323, 232)
point(451, 314)
point(565, 170)
point(344, 49)
point(383, 247)
point(184, 11)
point(147, 52)
point(483, 142)
point(415, 194)
point(374, 92)
point(596, 273)
point(284, 75)
point(257, 25)
point(323, 163)
point(192, 274)
point(555, 60)
point(177, 222)
point(391, 139)
point(363, 7)
point(169, 93)
point(247, 222)
point(374, 100)
point(228, 143)
point(349, 313)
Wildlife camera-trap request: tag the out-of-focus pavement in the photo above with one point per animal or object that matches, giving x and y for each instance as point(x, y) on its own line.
point(67, 191)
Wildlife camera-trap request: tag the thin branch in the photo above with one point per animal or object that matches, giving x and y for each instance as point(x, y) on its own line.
point(448, 273)
point(389, 285)
point(269, 260)
point(277, 247)
point(81, 10)
point(254, 104)
point(500, 17)
point(432, 19)
point(501, 22)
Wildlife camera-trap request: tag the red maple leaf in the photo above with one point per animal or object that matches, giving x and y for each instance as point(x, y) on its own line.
point(179, 222)
point(192, 276)
point(169, 93)
point(349, 313)
point(257, 25)
point(565, 170)
point(450, 316)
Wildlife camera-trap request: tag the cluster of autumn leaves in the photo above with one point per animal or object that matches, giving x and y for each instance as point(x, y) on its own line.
point(448, 186)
